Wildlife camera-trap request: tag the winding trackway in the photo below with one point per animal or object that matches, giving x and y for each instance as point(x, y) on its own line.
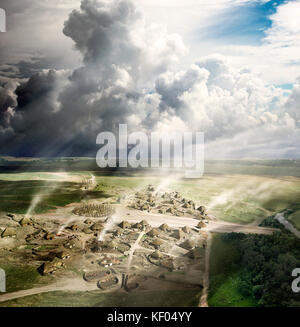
point(280, 217)
point(74, 284)
point(203, 299)
point(133, 248)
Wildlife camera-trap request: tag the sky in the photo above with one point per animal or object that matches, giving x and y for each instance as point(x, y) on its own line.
point(70, 69)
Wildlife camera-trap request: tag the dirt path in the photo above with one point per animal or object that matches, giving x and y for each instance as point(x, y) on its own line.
point(226, 227)
point(203, 299)
point(280, 217)
point(215, 226)
point(133, 248)
point(72, 284)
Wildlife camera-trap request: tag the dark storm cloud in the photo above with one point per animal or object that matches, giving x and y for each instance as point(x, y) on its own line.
point(7, 69)
point(28, 68)
point(33, 121)
point(8, 72)
point(24, 69)
point(7, 102)
point(37, 86)
point(63, 111)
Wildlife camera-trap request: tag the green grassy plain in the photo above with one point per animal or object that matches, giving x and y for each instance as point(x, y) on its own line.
point(228, 295)
point(236, 198)
point(17, 195)
point(22, 277)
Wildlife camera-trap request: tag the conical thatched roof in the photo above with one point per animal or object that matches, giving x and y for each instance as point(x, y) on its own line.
point(150, 188)
point(97, 227)
point(196, 253)
point(164, 227)
point(138, 226)
point(87, 231)
point(9, 232)
point(168, 263)
point(122, 247)
point(186, 229)
point(156, 255)
point(89, 221)
point(170, 210)
point(124, 224)
point(202, 209)
point(63, 255)
point(188, 244)
point(49, 236)
point(118, 232)
point(178, 233)
point(201, 224)
point(74, 227)
point(25, 221)
point(153, 232)
point(157, 242)
point(111, 245)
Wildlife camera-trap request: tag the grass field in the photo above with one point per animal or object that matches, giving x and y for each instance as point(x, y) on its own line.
point(231, 197)
point(225, 277)
point(16, 196)
point(228, 295)
point(187, 298)
point(256, 167)
point(236, 198)
point(22, 277)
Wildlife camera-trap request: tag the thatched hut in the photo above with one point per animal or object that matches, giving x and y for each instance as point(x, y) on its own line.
point(9, 232)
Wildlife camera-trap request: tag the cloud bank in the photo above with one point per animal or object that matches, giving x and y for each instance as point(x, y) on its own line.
point(129, 75)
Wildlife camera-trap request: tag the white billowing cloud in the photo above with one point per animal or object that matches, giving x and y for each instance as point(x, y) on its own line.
point(240, 115)
point(128, 75)
point(270, 140)
point(285, 24)
point(293, 103)
point(115, 34)
point(283, 38)
point(277, 58)
point(214, 98)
